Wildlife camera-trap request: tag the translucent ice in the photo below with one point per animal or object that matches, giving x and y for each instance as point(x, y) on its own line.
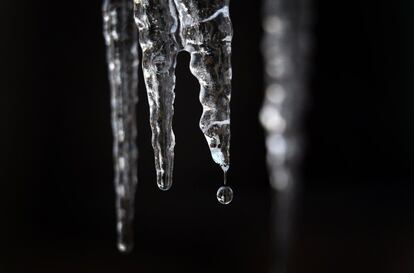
point(122, 45)
point(203, 28)
point(157, 24)
point(206, 32)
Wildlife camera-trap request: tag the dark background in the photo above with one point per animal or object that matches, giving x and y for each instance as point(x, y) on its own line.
point(57, 197)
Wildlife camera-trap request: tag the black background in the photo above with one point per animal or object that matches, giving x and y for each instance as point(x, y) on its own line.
point(57, 197)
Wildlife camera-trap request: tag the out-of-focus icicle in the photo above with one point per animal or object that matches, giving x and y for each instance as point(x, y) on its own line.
point(157, 23)
point(286, 48)
point(122, 55)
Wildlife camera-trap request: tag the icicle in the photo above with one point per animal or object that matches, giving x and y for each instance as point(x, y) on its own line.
point(206, 32)
point(157, 24)
point(285, 53)
point(285, 48)
point(121, 40)
point(204, 29)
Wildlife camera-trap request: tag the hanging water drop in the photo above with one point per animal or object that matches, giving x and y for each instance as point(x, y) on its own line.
point(225, 195)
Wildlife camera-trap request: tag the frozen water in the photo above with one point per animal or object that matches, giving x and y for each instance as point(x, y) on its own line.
point(202, 28)
point(157, 23)
point(122, 55)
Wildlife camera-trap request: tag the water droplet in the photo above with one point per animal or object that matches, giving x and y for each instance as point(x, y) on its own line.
point(225, 195)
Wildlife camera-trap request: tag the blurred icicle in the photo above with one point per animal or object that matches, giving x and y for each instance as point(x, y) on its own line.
point(122, 55)
point(286, 49)
point(206, 33)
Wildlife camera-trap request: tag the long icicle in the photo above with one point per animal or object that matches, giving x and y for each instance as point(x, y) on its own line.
point(286, 49)
point(122, 55)
point(157, 24)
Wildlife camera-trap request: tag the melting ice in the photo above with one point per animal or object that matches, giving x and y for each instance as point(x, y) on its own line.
point(200, 27)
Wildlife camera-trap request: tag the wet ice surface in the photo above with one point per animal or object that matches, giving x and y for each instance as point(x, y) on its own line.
point(202, 28)
point(122, 55)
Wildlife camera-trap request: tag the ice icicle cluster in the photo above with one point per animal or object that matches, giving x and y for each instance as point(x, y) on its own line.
point(122, 55)
point(285, 50)
point(202, 28)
